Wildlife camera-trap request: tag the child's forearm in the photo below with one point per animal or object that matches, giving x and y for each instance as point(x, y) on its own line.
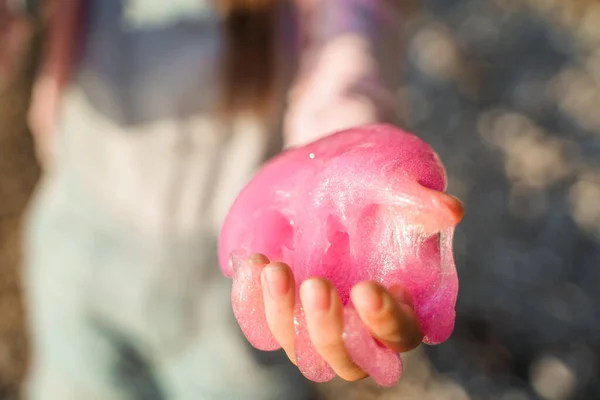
point(349, 70)
point(62, 40)
point(59, 52)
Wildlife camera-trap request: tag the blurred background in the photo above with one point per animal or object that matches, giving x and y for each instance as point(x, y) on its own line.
point(508, 92)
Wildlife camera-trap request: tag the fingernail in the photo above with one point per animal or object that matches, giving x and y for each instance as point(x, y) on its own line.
point(277, 281)
point(368, 298)
point(315, 295)
point(258, 259)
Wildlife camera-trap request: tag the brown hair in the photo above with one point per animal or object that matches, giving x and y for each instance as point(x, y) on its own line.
point(249, 65)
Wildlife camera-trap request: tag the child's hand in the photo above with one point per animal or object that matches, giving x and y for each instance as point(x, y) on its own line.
point(388, 314)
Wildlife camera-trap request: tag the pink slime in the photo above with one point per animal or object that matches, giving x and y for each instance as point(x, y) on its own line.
point(362, 204)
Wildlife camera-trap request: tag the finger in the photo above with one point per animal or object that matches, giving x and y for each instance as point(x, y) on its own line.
point(278, 290)
point(325, 325)
point(258, 259)
point(388, 315)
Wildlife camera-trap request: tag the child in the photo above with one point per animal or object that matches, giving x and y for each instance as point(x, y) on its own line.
point(149, 117)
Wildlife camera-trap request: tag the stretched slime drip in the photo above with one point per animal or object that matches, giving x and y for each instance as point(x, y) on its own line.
point(362, 204)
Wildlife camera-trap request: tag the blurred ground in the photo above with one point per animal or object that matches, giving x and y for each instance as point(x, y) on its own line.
point(508, 92)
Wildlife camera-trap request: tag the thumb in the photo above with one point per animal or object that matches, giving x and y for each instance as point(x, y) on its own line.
point(388, 314)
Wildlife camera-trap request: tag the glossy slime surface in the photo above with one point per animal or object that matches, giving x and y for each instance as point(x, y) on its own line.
point(362, 204)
